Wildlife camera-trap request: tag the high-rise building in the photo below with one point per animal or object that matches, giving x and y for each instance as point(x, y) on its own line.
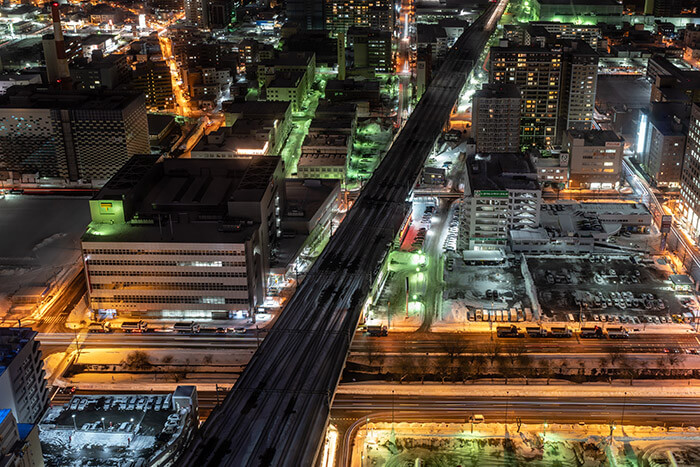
point(19, 443)
point(587, 33)
point(68, 134)
point(578, 86)
point(661, 141)
point(595, 158)
point(183, 238)
point(153, 80)
point(197, 13)
point(371, 48)
point(342, 14)
point(690, 189)
point(537, 72)
point(501, 193)
point(22, 385)
point(307, 14)
point(558, 83)
point(496, 118)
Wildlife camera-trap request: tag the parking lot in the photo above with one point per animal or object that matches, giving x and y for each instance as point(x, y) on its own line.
point(608, 289)
point(499, 287)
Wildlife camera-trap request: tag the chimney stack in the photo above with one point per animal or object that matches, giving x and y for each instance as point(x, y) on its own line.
point(61, 65)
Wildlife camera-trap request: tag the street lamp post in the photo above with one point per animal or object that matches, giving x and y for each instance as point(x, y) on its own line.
point(622, 421)
point(506, 411)
point(75, 427)
point(104, 428)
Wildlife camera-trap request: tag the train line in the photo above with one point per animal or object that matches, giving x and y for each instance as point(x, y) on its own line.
point(278, 411)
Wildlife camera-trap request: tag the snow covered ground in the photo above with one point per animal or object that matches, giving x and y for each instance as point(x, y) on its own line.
point(40, 238)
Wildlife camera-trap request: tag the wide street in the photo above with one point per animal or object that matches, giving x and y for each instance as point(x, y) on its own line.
point(394, 343)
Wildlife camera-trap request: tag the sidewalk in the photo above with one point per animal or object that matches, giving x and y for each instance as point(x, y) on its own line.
point(640, 389)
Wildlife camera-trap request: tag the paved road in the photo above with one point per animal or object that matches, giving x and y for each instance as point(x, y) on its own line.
point(54, 319)
point(350, 407)
point(418, 343)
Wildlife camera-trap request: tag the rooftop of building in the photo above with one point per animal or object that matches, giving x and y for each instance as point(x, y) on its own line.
point(595, 137)
point(352, 85)
point(132, 428)
point(581, 3)
point(501, 171)
point(159, 122)
point(36, 96)
point(498, 91)
point(20, 76)
point(335, 140)
point(670, 118)
point(327, 109)
point(322, 160)
point(188, 200)
point(304, 197)
point(584, 219)
point(97, 39)
point(290, 59)
point(289, 79)
point(256, 108)
point(12, 340)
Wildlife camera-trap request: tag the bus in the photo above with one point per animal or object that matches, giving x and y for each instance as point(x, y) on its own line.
point(560, 331)
point(508, 331)
point(617, 332)
point(594, 332)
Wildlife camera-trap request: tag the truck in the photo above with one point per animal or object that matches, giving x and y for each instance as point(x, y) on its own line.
point(591, 332)
point(134, 326)
point(560, 331)
point(376, 329)
point(99, 327)
point(535, 331)
point(508, 331)
point(186, 328)
point(618, 332)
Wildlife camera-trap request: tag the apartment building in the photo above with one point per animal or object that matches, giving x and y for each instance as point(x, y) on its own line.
point(690, 177)
point(22, 379)
point(496, 118)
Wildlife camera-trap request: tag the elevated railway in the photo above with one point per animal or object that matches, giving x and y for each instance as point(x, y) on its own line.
point(277, 413)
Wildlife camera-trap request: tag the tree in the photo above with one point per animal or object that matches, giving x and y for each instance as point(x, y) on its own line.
point(371, 350)
point(407, 367)
point(207, 359)
point(167, 359)
point(545, 368)
point(453, 345)
point(443, 368)
point(493, 350)
point(137, 360)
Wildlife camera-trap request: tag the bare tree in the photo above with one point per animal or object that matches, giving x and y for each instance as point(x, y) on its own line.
point(443, 368)
point(453, 345)
point(407, 367)
point(167, 359)
point(493, 350)
point(371, 350)
point(137, 360)
point(545, 368)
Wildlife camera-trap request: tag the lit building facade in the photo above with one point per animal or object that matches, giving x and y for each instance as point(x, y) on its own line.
point(496, 118)
point(690, 178)
point(595, 158)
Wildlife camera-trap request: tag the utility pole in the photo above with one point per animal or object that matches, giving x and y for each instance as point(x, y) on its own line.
point(622, 421)
point(506, 413)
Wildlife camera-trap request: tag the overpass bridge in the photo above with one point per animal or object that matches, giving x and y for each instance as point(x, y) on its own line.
point(278, 411)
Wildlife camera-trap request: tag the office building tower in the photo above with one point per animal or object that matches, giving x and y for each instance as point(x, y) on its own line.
point(183, 238)
point(69, 134)
point(22, 385)
point(690, 188)
point(595, 158)
point(578, 85)
point(661, 140)
point(501, 193)
point(496, 118)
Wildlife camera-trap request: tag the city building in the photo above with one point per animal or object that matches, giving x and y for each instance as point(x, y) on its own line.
point(501, 193)
point(152, 78)
point(595, 158)
point(101, 44)
point(276, 116)
point(101, 72)
point(496, 118)
point(553, 170)
point(661, 139)
point(582, 12)
point(673, 80)
point(371, 48)
point(183, 238)
point(557, 80)
point(690, 189)
point(306, 14)
point(587, 33)
point(22, 385)
point(339, 15)
point(135, 429)
point(325, 165)
point(287, 87)
point(197, 13)
point(21, 79)
point(246, 137)
point(19, 442)
point(569, 227)
point(70, 134)
point(160, 126)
